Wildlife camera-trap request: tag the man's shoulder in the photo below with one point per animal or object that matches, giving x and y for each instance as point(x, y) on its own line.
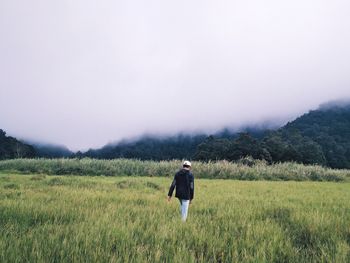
point(179, 172)
point(182, 172)
point(188, 173)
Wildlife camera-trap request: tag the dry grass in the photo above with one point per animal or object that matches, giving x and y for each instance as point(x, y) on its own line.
point(127, 219)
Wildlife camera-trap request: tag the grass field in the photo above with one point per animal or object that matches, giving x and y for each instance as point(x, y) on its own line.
point(127, 219)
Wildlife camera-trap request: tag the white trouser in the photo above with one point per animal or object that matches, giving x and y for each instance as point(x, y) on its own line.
point(184, 208)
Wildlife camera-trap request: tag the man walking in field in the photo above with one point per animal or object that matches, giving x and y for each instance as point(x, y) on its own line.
point(184, 184)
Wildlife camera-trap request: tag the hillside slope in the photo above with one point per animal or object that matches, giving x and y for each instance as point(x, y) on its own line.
point(329, 127)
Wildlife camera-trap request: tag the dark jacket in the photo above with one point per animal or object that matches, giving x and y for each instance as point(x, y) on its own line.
point(184, 183)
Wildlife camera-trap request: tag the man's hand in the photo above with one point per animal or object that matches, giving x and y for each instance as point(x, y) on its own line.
point(169, 198)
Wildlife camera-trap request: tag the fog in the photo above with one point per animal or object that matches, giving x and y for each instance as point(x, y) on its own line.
point(85, 73)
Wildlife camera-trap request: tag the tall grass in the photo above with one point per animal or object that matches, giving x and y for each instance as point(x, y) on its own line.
point(127, 219)
point(213, 170)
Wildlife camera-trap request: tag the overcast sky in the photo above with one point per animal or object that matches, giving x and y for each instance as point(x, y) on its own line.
point(84, 73)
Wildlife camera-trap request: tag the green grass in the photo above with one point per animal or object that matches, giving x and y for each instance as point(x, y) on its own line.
point(256, 170)
point(127, 219)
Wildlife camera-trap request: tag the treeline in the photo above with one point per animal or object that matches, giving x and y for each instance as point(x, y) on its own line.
point(150, 148)
point(12, 148)
point(278, 146)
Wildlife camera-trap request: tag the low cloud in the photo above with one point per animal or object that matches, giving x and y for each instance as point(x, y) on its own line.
point(84, 73)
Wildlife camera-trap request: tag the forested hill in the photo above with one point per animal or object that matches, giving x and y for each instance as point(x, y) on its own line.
point(319, 137)
point(12, 148)
point(329, 127)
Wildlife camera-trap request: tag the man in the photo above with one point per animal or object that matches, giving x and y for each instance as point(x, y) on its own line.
point(184, 184)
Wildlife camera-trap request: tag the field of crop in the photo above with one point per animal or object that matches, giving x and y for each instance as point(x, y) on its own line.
point(127, 219)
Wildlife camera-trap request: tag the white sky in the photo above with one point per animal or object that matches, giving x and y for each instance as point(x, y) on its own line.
point(84, 73)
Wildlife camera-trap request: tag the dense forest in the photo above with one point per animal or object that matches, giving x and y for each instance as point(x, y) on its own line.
point(320, 137)
point(12, 148)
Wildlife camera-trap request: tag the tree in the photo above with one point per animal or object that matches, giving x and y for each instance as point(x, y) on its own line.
point(245, 145)
point(212, 149)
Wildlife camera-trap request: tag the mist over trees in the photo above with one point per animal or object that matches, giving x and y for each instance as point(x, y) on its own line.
point(319, 137)
point(12, 148)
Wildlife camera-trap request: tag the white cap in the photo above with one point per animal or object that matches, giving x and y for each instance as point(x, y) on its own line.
point(187, 163)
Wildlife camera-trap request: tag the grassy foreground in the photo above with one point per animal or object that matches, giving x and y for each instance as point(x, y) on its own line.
point(127, 219)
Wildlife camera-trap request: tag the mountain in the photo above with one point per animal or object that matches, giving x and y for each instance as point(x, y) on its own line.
point(12, 148)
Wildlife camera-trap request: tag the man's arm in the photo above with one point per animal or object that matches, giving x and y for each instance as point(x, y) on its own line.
point(191, 187)
point(171, 189)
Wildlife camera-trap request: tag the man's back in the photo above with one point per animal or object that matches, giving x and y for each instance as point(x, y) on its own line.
point(184, 183)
